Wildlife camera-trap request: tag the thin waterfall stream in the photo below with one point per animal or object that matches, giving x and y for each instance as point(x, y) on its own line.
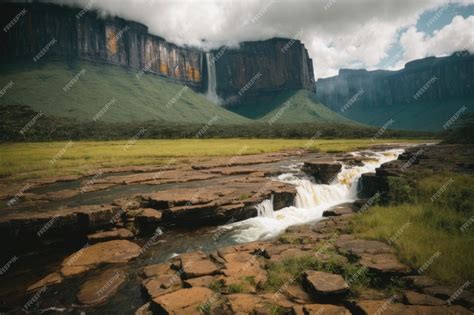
point(211, 79)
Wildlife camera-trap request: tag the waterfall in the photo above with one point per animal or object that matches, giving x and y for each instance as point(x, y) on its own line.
point(265, 208)
point(211, 80)
point(311, 199)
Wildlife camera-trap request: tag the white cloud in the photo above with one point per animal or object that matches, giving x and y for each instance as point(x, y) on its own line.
point(344, 34)
point(458, 35)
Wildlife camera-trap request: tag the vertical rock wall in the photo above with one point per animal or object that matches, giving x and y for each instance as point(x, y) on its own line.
point(111, 40)
point(263, 67)
point(280, 63)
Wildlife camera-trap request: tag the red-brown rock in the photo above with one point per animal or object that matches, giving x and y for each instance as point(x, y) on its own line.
point(99, 289)
point(324, 284)
point(184, 301)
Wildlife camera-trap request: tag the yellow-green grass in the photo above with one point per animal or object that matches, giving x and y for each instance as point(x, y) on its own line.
point(429, 234)
point(20, 161)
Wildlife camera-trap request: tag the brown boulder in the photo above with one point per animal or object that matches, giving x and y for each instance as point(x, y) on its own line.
point(454, 294)
point(97, 217)
point(358, 247)
point(324, 284)
point(147, 219)
point(277, 299)
point(157, 270)
point(323, 172)
point(298, 295)
point(338, 211)
point(204, 281)
point(242, 268)
point(389, 308)
point(99, 289)
point(384, 264)
point(420, 281)
point(118, 251)
point(326, 309)
point(415, 298)
point(241, 303)
point(161, 285)
point(184, 301)
point(197, 264)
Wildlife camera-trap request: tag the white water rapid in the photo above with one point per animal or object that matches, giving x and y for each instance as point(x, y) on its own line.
point(311, 199)
point(211, 80)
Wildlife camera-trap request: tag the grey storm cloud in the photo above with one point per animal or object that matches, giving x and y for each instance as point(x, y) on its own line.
point(337, 33)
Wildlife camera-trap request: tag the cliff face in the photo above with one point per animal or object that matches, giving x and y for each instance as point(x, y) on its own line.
point(425, 80)
point(73, 33)
point(69, 32)
point(260, 68)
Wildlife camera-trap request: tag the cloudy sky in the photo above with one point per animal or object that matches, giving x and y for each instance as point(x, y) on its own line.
point(368, 34)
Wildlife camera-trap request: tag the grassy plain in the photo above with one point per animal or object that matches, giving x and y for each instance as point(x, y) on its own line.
point(20, 161)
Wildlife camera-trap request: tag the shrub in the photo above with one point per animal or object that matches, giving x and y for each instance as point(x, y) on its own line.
point(400, 190)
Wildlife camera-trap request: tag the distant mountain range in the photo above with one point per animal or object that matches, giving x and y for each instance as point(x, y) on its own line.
point(422, 96)
point(95, 65)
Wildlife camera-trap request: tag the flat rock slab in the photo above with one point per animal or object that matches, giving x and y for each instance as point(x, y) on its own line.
point(419, 281)
point(204, 281)
point(241, 265)
point(217, 203)
point(242, 303)
point(98, 290)
point(388, 308)
point(415, 298)
point(462, 297)
point(197, 264)
point(161, 285)
point(118, 251)
point(25, 224)
point(296, 294)
point(158, 270)
point(324, 284)
point(384, 263)
point(110, 235)
point(326, 309)
point(184, 301)
point(166, 199)
point(52, 278)
point(147, 220)
point(358, 247)
point(338, 211)
point(270, 301)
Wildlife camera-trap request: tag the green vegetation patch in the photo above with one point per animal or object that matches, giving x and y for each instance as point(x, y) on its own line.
point(432, 229)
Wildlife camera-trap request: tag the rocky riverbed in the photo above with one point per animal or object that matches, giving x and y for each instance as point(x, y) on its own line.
point(208, 235)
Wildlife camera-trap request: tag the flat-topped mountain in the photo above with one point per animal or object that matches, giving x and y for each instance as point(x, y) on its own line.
point(422, 95)
point(72, 33)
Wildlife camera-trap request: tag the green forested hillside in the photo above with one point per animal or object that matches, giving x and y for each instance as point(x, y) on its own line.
point(301, 107)
point(96, 86)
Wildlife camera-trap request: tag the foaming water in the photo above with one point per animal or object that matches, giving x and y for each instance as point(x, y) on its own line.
point(265, 209)
point(311, 199)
